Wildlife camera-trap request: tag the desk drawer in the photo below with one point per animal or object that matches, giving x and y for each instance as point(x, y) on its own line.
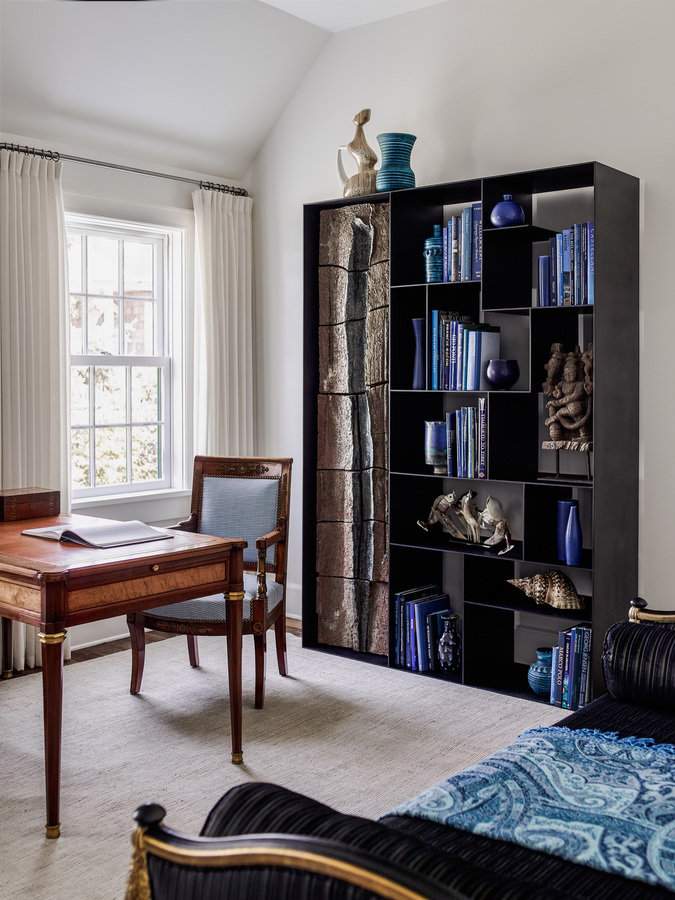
point(158, 588)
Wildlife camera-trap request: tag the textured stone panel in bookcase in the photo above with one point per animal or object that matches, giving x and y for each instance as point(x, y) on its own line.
point(378, 412)
point(344, 440)
point(351, 496)
point(343, 358)
point(352, 614)
point(354, 237)
point(339, 288)
point(352, 550)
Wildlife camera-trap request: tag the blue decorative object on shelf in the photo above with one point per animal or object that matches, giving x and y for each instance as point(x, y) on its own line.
point(418, 367)
point(395, 171)
point(539, 673)
point(564, 507)
point(573, 539)
point(502, 373)
point(433, 255)
point(436, 447)
point(507, 212)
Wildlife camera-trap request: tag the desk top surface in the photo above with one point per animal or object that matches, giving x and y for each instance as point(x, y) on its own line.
point(26, 555)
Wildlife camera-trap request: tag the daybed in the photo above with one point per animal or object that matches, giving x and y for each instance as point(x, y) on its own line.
point(261, 840)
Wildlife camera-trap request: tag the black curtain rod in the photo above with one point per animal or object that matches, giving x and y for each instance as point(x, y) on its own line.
point(52, 154)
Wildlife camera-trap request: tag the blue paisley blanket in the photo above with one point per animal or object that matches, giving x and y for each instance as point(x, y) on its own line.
point(586, 796)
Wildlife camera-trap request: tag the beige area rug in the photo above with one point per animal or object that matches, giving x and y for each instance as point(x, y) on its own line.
point(359, 737)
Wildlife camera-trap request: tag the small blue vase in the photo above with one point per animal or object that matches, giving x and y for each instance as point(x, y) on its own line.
point(418, 367)
point(395, 171)
point(573, 538)
point(507, 212)
point(564, 507)
point(433, 256)
point(502, 374)
point(539, 673)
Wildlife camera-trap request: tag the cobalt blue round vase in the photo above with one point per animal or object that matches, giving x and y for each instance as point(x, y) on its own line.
point(502, 373)
point(539, 673)
point(507, 212)
point(395, 171)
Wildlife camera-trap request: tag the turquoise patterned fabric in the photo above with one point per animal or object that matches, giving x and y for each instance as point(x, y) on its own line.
point(240, 508)
point(587, 796)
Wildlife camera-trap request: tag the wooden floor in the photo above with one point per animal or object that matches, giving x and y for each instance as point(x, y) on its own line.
point(293, 626)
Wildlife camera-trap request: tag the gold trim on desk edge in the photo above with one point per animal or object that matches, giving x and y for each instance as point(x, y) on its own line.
point(57, 638)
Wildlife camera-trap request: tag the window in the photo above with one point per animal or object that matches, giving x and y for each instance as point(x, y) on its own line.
point(123, 295)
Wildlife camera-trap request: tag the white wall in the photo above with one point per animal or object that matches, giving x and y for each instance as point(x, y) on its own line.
point(489, 87)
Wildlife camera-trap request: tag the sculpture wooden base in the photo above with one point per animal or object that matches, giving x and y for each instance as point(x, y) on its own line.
point(579, 446)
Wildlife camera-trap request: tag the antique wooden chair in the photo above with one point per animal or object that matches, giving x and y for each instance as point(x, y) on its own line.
point(238, 498)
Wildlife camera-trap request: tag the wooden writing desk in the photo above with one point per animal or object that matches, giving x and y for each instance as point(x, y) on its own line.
point(55, 585)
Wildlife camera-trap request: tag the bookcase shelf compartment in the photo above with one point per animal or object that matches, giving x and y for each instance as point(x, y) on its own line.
point(525, 477)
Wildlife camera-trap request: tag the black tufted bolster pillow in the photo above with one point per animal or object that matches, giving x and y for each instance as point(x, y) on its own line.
point(638, 662)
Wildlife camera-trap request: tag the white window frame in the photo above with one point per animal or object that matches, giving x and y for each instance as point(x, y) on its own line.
point(177, 438)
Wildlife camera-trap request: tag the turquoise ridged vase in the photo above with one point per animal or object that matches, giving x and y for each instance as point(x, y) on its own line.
point(539, 673)
point(395, 171)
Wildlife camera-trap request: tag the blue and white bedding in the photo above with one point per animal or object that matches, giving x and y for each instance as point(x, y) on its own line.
point(587, 796)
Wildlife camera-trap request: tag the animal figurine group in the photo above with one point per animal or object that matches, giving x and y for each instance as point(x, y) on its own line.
point(459, 518)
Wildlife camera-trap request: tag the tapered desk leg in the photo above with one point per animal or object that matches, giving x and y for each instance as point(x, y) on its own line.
point(52, 701)
point(234, 602)
point(7, 665)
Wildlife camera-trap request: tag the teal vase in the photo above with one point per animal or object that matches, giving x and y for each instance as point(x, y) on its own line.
point(539, 673)
point(395, 171)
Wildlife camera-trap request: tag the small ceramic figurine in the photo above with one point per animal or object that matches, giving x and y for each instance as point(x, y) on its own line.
point(493, 518)
point(455, 513)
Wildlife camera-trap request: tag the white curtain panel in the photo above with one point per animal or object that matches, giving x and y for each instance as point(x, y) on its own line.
point(33, 341)
point(224, 389)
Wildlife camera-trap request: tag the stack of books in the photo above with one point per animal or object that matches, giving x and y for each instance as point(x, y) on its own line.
point(463, 246)
point(460, 351)
point(566, 275)
point(570, 667)
point(466, 441)
point(418, 626)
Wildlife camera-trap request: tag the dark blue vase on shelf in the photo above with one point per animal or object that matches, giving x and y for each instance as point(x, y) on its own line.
point(502, 373)
point(395, 171)
point(433, 256)
point(564, 507)
point(573, 538)
point(539, 673)
point(418, 366)
point(507, 212)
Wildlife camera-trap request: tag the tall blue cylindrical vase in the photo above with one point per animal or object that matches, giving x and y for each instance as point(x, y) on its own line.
point(564, 507)
point(418, 366)
point(573, 538)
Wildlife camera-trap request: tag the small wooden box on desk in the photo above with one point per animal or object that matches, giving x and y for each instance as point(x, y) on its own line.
point(28, 503)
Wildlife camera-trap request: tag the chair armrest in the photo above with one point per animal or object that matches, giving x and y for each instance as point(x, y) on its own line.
point(187, 525)
point(273, 537)
point(167, 865)
point(639, 613)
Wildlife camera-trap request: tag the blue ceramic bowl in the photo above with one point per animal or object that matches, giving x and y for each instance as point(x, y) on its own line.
point(502, 373)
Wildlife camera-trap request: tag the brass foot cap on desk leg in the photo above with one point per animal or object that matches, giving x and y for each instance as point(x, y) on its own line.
point(53, 831)
point(237, 758)
point(8, 673)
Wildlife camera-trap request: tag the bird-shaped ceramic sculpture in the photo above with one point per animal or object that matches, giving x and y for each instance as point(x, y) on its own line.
point(551, 587)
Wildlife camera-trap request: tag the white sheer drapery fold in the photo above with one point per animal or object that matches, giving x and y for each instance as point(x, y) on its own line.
point(224, 387)
point(34, 443)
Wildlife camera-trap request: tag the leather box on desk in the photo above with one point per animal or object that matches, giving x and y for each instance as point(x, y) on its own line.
point(28, 503)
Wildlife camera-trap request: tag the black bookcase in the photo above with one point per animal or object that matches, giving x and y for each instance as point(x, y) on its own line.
point(496, 620)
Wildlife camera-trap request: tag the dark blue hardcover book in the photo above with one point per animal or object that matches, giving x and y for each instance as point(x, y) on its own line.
point(560, 671)
point(476, 241)
point(573, 298)
point(567, 274)
point(459, 372)
point(482, 437)
point(422, 609)
point(471, 442)
point(578, 264)
point(554, 669)
point(445, 253)
point(456, 239)
point(454, 337)
point(591, 262)
point(450, 442)
point(584, 263)
point(459, 437)
point(401, 599)
point(552, 262)
point(473, 358)
point(465, 265)
point(567, 656)
point(544, 281)
point(434, 349)
point(584, 684)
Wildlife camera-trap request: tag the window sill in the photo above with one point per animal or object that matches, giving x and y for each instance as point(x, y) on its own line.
point(155, 507)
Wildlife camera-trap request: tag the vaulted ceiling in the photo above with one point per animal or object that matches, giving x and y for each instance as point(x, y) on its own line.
point(191, 84)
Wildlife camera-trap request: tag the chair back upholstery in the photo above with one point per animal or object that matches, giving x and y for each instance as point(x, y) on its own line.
point(245, 498)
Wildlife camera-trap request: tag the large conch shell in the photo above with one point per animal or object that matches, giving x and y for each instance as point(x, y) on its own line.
point(551, 587)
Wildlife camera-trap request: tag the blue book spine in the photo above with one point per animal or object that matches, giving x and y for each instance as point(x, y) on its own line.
point(459, 438)
point(552, 272)
point(584, 263)
point(450, 442)
point(456, 237)
point(566, 686)
point(554, 670)
point(560, 670)
point(466, 244)
point(559, 292)
point(578, 265)
point(591, 262)
point(585, 668)
point(544, 283)
point(567, 279)
point(459, 372)
point(452, 377)
point(575, 665)
point(476, 241)
point(445, 253)
point(482, 437)
point(434, 349)
point(473, 362)
point(471, 442)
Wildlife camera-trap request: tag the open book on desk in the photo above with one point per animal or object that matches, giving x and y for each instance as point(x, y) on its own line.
point(108, 534)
